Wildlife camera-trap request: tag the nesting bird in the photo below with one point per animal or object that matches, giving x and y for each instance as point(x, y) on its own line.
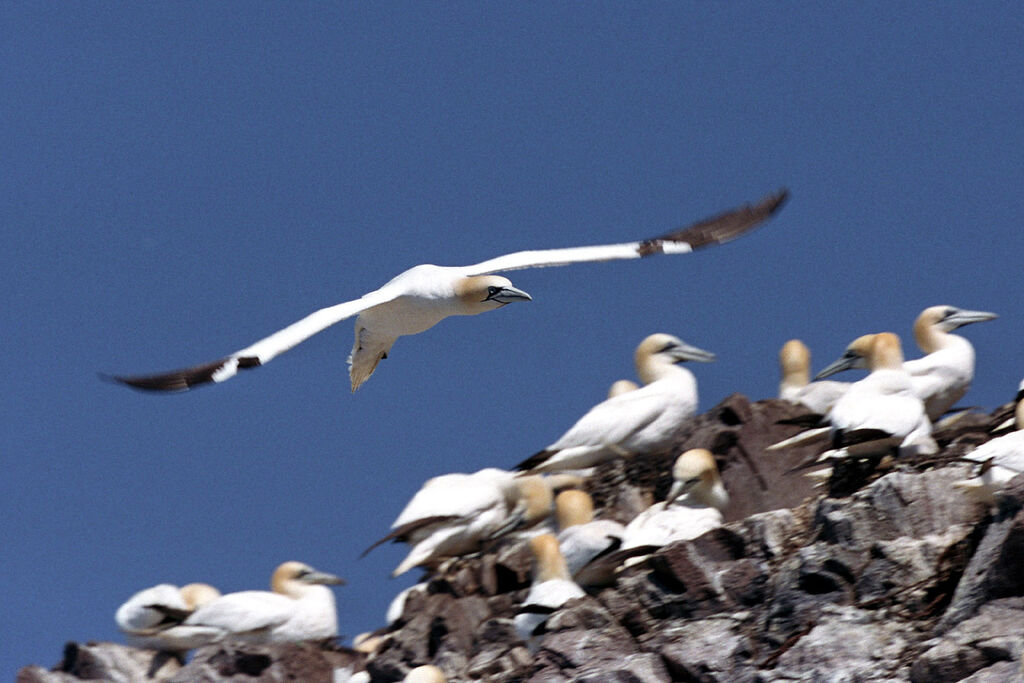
point(584, 541)
point(454, 514)
point(692, 507)
point(640, 421)
point(1001, 458)
point(424, 295)
point(552, 587)
point(153, 618)
point(796, 385)
point(883, 404)
point(301, 607)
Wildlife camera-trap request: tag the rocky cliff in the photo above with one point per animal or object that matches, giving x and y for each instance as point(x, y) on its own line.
point(885, 573)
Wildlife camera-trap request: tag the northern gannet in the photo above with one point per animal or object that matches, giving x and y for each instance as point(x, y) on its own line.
point(455, 514)
point(882, 404)
point(693, 506)
point(1001, 458)
point(152, 618)
point(796, 385)
point(944, 374)
point(301, 607)
point(552, 587)
point(584, 540)
point(640, 421)
point(424, 295)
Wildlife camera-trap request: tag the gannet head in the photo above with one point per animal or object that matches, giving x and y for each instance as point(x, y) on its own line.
point(535, 499)
point(695, 474)
point(548, 562)
point(944, 319)
point(573, 507)
point(196, 595)
point(481, 293)
point(425, 674)
point(855, 356)
point(886, 352)
point(795, 363)
point(660, 350)
point(622, 386)
point(294, 578)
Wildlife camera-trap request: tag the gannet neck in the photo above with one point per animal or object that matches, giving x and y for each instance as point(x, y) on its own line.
point(535, 499)
point(795, 364)
point(933, 326)
point(886, 352)
point(548, 562)
point(297, 580)
point(573, 508)
point(481, 293)
point(657, 355)
point(196, 595)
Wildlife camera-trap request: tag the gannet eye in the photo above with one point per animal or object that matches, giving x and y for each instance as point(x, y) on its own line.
point(491, 291)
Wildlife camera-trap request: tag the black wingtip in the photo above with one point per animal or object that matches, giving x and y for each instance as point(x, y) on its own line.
point(533, 461)
point(721, 228)
point(176, 380)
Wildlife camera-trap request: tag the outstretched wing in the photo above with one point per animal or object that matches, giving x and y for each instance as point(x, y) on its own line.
point(715, 230)
point(262, 351)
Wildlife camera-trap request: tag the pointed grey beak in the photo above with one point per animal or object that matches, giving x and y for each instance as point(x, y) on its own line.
point(507, 295)
point(685, 352)
point(678, 489)
point(847, 361)
point(323, 578)
point(962, 317)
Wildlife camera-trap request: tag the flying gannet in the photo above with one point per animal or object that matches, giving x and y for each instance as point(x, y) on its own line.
point(796, 387)
point(455, 514)
point(693, 506)
point(552, 587)
point(424, 295)
point(1001, 458)
point(944, 374)
point(301, 607)
point(881, 405)
point(640, 421)
point(584, 541)
point(152, 618)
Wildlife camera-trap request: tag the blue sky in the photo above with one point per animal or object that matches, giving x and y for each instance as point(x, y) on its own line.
point(181, 179)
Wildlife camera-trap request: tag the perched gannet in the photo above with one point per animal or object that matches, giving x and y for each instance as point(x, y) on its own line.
point(622, 386)
point(552, 587)
point(152, 618)
point(640, 421)
point(454, 514)
point(943, 376)
point(425, 674)
point(882, 404)
point(796, 385)
point(301, 607)
point(584, 540)
point(424, 295)
point(1001, 459)
point(693, 506)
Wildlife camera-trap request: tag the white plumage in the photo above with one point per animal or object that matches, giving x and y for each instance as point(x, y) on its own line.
point(424, 295)
point(552, 587)
point(640, 421)
point(152, 618)
point(585, 541)
point(1001, 458)
point(796, 387)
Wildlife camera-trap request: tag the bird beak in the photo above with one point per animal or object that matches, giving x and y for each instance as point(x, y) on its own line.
point(507, 295)
point(685, 352)
point(845, 362)
point(961, 318)
point(678, 489)
point(324, 578)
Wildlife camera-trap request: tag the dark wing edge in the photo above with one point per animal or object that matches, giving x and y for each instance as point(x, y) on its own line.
point(721, 228)
point(184, 379)
point(534, 460)
point(399, 534)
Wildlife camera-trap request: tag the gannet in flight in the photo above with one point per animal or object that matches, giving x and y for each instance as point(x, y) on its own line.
point(152, 618)
point(882, 404)
point(584, 540)
point(455, 514)
point(944, 374)
point(640, 421)
point(693, 506)
point(552, 587)
point(301, 607)
point(424, 295)
point(1001, 459)
point(796, 387)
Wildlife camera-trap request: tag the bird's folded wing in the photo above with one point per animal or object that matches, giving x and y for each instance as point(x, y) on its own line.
point(262, 351)
point(244, 612)
point(715, 230)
